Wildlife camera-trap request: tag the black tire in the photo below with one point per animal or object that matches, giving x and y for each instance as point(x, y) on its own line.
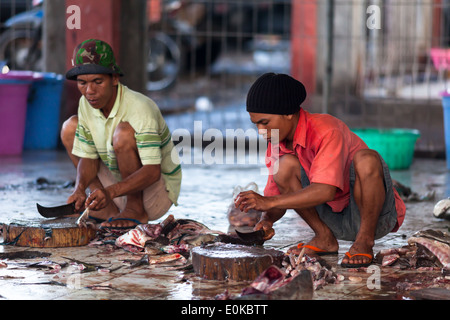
point(163, 63)
point(15, 49)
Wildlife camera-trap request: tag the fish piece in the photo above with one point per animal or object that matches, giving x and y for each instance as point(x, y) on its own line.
point(170, 218)
point(103, 270)
point(131, 248)
point(197, 240)
point(439, 249)
point(355, 279)
point(238, 218)
point(292, 260)
point(175, 248)
point(280, 287)
point(340, 278)
point(269, 280)
point(441, 208)
point(389, 259)
point(137, 263)
point(385, 252)
point(152, 251)
point(434, 234)
point(165, 258)
point(103, 286)
point(135, 237)
point(151, 230)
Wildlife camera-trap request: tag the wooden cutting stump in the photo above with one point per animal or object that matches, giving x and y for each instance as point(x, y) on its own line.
point(47, 233)
point(233, 262)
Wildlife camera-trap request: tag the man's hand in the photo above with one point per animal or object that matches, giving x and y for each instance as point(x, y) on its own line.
point(267, 226)
point(247, 200)
point(98, 199)
point(79, 197)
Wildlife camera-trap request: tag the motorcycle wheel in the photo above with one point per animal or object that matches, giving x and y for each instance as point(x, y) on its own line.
point(15, 49)
point(163, 63)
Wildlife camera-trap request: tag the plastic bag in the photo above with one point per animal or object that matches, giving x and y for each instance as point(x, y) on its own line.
point(238, 218)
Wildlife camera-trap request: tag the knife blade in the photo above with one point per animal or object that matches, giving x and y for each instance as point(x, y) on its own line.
point(54, 212)
point(254, 236)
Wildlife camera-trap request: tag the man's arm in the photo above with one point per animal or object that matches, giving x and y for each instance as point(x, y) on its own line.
point(86, 173)
point(275, 207)
point(311, 196)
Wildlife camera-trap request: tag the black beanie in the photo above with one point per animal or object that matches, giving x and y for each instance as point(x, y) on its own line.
point(276, 94)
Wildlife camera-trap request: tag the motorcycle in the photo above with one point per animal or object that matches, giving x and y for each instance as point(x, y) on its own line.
point(21, 42)
point(176, 40)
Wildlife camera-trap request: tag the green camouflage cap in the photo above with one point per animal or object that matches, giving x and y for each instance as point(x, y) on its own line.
point(93, 56)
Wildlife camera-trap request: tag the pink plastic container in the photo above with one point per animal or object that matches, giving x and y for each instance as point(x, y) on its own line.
point(441, 58)
point(14, 87)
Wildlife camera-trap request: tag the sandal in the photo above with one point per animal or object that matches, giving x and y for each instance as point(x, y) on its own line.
point(317, 251)
point(357, 265)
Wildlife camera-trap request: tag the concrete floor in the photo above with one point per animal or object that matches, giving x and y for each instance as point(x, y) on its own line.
point(205, 196)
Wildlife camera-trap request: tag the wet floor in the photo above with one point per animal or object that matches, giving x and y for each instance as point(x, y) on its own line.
point(205, 196)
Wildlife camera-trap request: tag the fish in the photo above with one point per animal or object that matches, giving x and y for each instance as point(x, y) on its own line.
point(166, 258)
point(151, 230)
point(189, 227)
point(426, 248)
point(272, 284)
point(434, 234)
point(170, 231)
point(137, 263)
point(175, 248)
point(238, 218)
point(440, 249)
point(441, 208)
point(389, 259)
point(135, 237)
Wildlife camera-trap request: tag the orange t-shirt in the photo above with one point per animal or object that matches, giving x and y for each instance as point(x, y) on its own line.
point(325, 147)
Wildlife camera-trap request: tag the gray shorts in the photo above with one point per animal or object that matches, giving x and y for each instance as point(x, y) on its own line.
point(345, 224)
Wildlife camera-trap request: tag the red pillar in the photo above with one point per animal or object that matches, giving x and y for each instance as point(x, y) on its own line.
point(98, 19)
point(304, 42)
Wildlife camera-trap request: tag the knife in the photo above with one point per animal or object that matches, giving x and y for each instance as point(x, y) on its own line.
point(54, 212)
point(254, 236)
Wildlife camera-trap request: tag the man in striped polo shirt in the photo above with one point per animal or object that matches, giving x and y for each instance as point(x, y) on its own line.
point(119, 143)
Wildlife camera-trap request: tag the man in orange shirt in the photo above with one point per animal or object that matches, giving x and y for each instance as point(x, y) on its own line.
point(322, 170)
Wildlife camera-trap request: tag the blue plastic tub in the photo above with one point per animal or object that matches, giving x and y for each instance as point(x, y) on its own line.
point(446, 106)
point(43, 112)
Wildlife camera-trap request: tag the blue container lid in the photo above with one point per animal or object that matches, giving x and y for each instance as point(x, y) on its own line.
point(48, 76)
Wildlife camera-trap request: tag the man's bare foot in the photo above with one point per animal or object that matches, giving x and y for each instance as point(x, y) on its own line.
point(128, 218)
point(324, 244)
point(109, 211)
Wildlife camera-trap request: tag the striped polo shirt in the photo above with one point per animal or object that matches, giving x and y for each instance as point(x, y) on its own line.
point(93, 138)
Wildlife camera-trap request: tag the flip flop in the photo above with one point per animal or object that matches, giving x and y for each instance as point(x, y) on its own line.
point(357, 265)
point(317, 251)
point(97, 220)
point(122, 228)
